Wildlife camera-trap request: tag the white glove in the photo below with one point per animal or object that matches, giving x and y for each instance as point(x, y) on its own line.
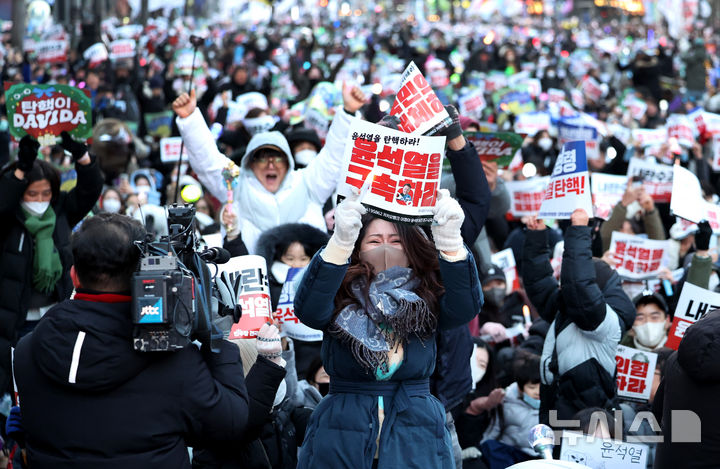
point(348, 221)
point(269, 345)
point(448, 217)
point(471, 453)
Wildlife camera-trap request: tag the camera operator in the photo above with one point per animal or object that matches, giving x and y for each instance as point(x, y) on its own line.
point(89, 400)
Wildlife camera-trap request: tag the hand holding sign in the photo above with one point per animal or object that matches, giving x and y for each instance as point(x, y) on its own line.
point(185, 104)
point(703, 235)
point(579, 218)
point(533, 224)
point(448, 217)
point(348, 221)
point(78, 150)
point(28, 154)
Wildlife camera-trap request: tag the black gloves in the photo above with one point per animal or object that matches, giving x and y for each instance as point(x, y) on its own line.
point(391, 122)
point(453, 130)
point(27, 154)
point(77, 149)
point(702, 237)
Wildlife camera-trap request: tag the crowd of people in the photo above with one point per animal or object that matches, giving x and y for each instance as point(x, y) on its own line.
point(430, 356)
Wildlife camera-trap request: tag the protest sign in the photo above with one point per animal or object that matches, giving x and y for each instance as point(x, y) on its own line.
point(495, 81)
point(54, 51)
point(45, 111)
point(530, 123)
point(472, 104)
point(96, 54)
point(497, 146)
point(555, 95)
point(317, 121)
point(577, 128)
point(122, 49)
point(598, 453)
point(656, 177)
point(694, 303)
point(290, 325)
point(649, 137)
point(159, 124)
point(637, 108)
point(687, 199)
point(636, 257)
point(397, 174)
point(591, 88)
point(607, 190)
point(681, 128)
point(505, 259)
point(513, 100)
point(170, 149)
point(526, 196)
point(635, 373)
point(569, 186)
point(416, 105)
point(249, 275)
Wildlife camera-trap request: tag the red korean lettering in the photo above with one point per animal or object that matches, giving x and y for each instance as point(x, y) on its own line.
point(384, 186)
point(636, 385)
point(639, 369)
point(415, 165)
point(623, 364)
point(644, 254)
point(407, 95)
point(391, 158)
point(419, 114)
point(433, 168)
point(429, 191)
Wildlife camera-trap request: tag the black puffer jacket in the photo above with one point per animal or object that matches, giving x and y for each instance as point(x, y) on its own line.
point(691, 383)
point(89, 400)
point(17, 250)
point(589, 314)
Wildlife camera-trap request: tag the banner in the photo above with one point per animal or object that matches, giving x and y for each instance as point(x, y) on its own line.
point(96, 54)
point(656, 177)
point(416, 105)
point(55, 51)
point(122, 49)
point(249, 275)
point(397, 174)
point(597, 453)
point(159, 124)
point(45, 111)
point(530, 123)
point(577, 128)
point(497, 146)
point(290, 325)
point(680, 127)
point(649, 137)
point(694, 303)
point(635, 373)
point(472, 104)
point(505, 259)
point(638, 258)
point(170, 150)
point(569, 186)
point(607, 191)
point(526, 196)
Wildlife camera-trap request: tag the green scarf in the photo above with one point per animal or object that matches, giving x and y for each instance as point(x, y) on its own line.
point(47, 267)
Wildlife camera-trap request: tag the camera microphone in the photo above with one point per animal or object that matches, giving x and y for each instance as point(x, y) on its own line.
point(216, 255)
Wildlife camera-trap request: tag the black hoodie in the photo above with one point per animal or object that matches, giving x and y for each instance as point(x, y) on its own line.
point(691, 383)
point(89, 400)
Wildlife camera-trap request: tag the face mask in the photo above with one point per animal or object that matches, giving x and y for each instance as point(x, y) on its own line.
point(280, 271)
point(35, 208)
point(534, 403)
point(111, 205)
point(384, 257)
point(650, 334)
point(545, 143)
point(142, 189)
point(495, 296)
point(280, 394)
point(304, 157)
point(324, 388)
point(550, 74)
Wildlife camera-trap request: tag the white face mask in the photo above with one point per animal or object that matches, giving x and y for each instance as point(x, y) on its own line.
point(111, 205)
point(35, 208)
point(650, 334)
point(545, 143)
point(280, 271)
point(304, 157)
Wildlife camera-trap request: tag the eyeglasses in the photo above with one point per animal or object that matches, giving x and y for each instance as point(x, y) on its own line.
point(276, 160)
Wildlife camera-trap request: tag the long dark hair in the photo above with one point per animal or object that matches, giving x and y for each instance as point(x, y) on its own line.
point(41, 170)
point(422, 257)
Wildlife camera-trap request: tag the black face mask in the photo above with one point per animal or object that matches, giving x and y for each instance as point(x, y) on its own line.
point(324, 388)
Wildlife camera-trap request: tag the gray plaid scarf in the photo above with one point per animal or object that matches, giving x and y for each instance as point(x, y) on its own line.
point(387, 315)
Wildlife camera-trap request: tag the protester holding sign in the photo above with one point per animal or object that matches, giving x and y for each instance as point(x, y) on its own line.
point(378, 398)
point(589, 313)
point(35, 237)
point(269, 190)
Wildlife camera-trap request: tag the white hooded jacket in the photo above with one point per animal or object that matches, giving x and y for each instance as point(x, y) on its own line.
point(301, 194)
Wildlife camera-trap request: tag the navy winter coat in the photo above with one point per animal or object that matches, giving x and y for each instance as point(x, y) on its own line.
point(344, 427)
